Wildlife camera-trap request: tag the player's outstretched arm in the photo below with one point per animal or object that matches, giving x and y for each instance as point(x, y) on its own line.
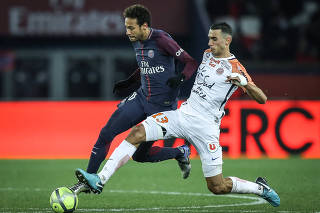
point(251, 89)
point(256, 93)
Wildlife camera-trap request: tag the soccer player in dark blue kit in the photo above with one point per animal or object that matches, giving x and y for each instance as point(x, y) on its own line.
point(156, 53)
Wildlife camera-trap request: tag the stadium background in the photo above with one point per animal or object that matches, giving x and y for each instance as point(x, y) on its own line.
point(59, 60)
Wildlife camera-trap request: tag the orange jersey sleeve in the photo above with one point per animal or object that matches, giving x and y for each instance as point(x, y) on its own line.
point(237, 67)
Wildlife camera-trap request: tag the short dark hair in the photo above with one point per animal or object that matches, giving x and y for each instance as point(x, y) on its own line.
point(224, 27)
point(140, 12)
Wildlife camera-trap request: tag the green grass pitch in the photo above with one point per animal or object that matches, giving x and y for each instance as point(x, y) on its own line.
point(25, 186)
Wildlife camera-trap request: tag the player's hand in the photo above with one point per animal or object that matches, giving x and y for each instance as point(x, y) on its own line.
point(237, 79)
point(124, 88)
point(175, 81)
point(120, 85)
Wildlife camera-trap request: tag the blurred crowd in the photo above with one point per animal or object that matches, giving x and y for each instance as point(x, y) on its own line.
point(275, 30)
point(271, 32)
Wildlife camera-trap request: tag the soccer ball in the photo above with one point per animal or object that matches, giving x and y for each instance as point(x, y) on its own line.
point(63, 200)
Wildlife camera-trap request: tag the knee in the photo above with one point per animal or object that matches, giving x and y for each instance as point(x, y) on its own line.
point(137, 135)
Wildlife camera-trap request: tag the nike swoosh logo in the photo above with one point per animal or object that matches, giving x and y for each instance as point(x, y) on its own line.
point(99, 185)
point(264, 185)
point(214, 158)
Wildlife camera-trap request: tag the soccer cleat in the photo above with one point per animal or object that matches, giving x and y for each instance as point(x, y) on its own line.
point(184, 161)
point(91, 180)
point(268, 194)
point(80, 187)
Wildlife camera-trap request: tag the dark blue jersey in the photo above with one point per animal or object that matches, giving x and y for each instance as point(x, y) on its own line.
point(156, 59)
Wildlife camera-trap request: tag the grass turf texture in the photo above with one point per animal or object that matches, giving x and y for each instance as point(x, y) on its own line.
point(26, 185)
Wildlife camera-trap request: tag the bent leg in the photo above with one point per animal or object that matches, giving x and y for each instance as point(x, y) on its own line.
point(154, 131)
point(141, 154)
point(219, 185)
point(148, 131)
point(122, 153)
point(164, 125)
point(148, 153)
point(126, 116)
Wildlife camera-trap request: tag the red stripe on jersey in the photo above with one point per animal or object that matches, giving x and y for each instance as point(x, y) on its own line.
point(142, 51)
point(149, 88)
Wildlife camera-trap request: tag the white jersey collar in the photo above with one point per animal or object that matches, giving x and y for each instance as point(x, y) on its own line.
point(227, 58)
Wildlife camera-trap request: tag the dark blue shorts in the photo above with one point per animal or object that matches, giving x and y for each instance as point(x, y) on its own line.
point(133, 110)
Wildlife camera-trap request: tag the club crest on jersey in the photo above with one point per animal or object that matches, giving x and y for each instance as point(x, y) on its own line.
point(220, 71)
point(212, 147)
point(150, 53)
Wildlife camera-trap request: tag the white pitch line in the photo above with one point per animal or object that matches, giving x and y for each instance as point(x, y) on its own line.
point(22, 189)
point(42, 210)
point(256, 201)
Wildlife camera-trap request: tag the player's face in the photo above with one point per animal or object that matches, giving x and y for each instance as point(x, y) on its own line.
point(133, 30)
point(218, 43)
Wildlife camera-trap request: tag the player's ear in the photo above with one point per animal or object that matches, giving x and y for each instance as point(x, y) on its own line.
point(228, 40)
point(144, 26)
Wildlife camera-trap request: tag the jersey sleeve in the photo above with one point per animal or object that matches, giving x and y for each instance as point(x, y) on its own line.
point(237, 67)
point(205, 56)
point(171, 47)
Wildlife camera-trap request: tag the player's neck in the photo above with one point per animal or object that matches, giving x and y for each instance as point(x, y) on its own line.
point(146, 34)
point(225, 54)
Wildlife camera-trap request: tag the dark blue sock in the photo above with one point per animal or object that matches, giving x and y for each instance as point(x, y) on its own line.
point(98, 154)
point(100, 149)
point(157, 154)
point(148, 153)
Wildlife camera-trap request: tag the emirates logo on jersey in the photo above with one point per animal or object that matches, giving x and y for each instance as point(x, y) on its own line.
point(145, 69)
point(220, 71)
